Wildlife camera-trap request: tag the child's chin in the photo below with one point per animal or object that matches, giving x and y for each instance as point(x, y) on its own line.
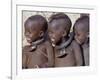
point(53, 43)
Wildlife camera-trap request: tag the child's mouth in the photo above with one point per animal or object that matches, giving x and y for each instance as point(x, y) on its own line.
point(28, 39)
point(53, 42)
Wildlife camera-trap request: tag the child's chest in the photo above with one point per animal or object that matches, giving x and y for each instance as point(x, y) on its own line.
point(64, 57)
point(63, 52)
point(36, 57)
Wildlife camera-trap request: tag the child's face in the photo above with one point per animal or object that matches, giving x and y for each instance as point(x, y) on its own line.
point(55, 33)
point(32, 31)
point(80, 35)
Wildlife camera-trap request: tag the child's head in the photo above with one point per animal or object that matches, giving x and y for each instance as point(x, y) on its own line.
point(35, 27)
point(81, 29)
point(59, 27)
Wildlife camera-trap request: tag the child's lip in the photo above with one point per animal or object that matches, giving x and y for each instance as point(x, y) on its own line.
point(53, 42)
point(28, 39)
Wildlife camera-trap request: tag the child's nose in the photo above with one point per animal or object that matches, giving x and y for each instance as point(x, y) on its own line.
point(51, 35)
point(27, 34)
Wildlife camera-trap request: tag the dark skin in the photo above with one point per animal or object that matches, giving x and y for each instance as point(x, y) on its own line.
point(33, 31)
point(57, 32)
point(81, 34)
point(43, 56)
point(82, 37)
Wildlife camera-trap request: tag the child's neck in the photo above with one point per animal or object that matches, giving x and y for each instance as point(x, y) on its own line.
point(61, 43)
point(65, 41)
point(35, 43)
point(39, 41)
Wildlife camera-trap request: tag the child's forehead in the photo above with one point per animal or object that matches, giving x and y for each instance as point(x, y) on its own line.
point(58, 22)
point(80, 27)
point(33, 25)
point(82, 23)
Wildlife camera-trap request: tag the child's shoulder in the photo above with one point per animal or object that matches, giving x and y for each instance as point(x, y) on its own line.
point(47, 43)
point(74, 44)
point(26, 48)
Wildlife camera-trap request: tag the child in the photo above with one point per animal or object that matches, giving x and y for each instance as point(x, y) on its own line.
point(81, 29)
point(39, 53)
point(69, 54)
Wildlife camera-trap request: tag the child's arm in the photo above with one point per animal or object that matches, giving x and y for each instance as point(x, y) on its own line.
point(50, 56)
point(24, 57)
point(78, 53)
point(23, 61)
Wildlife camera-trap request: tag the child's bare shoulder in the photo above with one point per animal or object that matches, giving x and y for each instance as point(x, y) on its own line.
point(47, 43)
point(74, 44)
point(48, 46)
point(26, 46)
point(25, 49)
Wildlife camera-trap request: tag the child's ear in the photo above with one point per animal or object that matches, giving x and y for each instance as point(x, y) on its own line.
point(64, 33)
point(41, 33)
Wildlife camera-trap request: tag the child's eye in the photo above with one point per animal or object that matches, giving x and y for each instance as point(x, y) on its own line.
point(77, 33)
